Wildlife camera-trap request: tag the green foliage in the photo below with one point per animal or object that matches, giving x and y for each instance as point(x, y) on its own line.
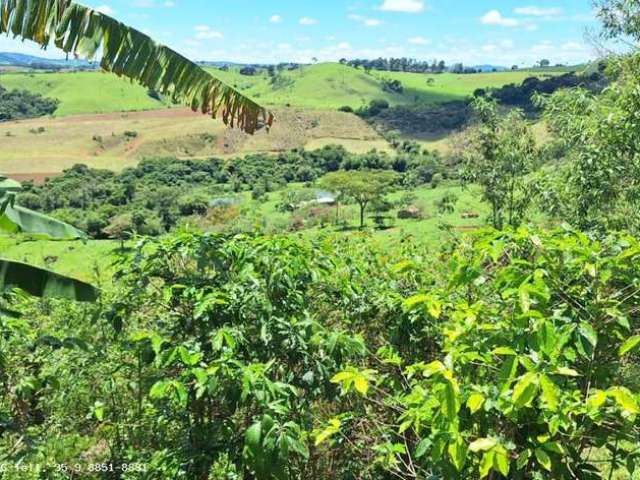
point(21, 104)
point(363, 187)
point(154, 191)
point(594, 187)
point(526, 362)
point(503, 154)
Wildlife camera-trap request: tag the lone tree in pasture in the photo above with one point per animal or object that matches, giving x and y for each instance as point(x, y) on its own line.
point(502, 153)
point(363, 187)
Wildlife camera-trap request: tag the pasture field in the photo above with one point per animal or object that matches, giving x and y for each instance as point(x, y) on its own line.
point(88, 260)
point(92, 260)
point(323, 86)
point(84, 92)
point(114, 141)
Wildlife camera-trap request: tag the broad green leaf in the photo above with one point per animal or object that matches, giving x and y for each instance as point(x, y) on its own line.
point(22, 220)
point(434, 308)
point(458, 453)
point(361, 384)
point(411, 302)
point(630, 345)
point(543, 459)
point(567, 372)
point(451, 403)
point(329, 431)
point(597, 399)
point(482, 445)
point(523, 459)
point(625, 399)
point(549, 392)
point(475, 402)
point(525, 390)
point(253, 436)
point(341, 377)
point(486, 464)
point(422, 447)
point(501, 461)
point(43, 283)
point(434, 368)
point(588, 333)
point(504, 351)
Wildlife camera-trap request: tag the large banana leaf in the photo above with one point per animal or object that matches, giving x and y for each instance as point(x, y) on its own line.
point(43, 283)
point(127, 52)
point(15, 219)
point(8, 185)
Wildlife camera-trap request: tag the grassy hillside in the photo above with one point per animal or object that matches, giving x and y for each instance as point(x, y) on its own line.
point(44, 146)
point(84, 92)
point(322, 86)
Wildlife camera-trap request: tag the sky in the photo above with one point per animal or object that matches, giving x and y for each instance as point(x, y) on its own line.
point(497, 32)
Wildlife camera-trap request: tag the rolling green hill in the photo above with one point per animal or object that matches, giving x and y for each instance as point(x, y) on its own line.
point(320, 87)
point(84, 92)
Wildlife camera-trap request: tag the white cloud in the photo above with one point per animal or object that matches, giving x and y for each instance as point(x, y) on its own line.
point(367, 22)
point(308, 21)
point(407, 6)
point(106, 9)
point(533, 11)
point(275, 19)
point(205, 32)
point(343, 46)
point(494, 17)
point(419, 41)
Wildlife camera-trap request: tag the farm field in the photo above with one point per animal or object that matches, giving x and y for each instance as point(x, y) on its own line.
point(114, 141)
point(323, 86)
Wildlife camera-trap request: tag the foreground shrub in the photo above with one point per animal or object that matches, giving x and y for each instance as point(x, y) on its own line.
point(538, 332)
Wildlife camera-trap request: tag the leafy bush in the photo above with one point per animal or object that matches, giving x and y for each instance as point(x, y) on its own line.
point(19, 104)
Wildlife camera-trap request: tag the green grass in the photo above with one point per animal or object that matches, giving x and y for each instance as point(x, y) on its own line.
point(84, 92)
point(93, 260)
point(331, 85)
point(323, 86)
point(89, 261)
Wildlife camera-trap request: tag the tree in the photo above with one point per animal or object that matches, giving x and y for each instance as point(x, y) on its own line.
point(84, 32)
point(364, 187)
point(597, 187)
point(544, 63)
point(503, 153)
point(619, 18)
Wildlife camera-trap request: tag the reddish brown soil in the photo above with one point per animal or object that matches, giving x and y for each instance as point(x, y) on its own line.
point(37, 178)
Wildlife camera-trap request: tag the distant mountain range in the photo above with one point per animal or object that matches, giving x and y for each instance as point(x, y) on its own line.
point(29, 61)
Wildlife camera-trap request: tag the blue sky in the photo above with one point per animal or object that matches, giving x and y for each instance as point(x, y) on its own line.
point(503, 32)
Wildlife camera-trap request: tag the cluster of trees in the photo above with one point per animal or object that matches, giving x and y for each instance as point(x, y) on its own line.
point(156, 195)
point(403, 64)
point(20, 104)
point(523, 95)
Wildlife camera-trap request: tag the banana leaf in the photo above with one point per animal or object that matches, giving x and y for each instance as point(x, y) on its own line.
point(8, 185)
point(127, 52)
point(15, 219)
point(43, 283)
